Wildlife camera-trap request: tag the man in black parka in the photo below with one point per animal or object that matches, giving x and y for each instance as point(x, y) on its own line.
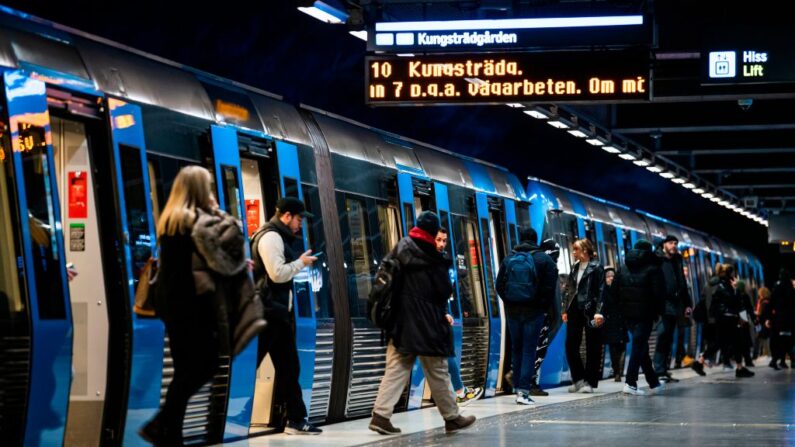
point(421, 290)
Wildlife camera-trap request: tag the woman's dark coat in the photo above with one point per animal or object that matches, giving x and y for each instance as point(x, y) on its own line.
point(590, 292)
point(421, 327)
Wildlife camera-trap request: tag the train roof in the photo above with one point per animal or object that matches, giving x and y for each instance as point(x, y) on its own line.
point(65, 56)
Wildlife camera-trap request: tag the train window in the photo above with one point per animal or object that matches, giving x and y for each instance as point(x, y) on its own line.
point(231, 191)
point(290, 187)
point(523, 215)
point(514, 241)
point(39, 193)
point(153, 193)
point(389, 227)
point(468, 267)
point(135, 206)
point(357, 256)
point(444, 218)
point(408, 214)
point(321, 283)
point(487, 273)
point(418, 208)
point(11, 302)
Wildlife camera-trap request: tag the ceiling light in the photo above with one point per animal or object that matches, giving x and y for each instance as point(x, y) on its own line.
point(667, 175)
point(707, 195)
point(578, 133)
point(654, 168)
point(678, 180)
point(699, 191)
point(536, 114)
point(611, 149)
point(594, 141)
point(515, 105)
point(627, 156)
point(642, 163)
point(558, 124)
point(715, 199)
point(723, 202)
point(689, 185)
point(361, 34)
point(407, 55)
point(326, 11)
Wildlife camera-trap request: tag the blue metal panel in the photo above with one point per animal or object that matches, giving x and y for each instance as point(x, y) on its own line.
point(305, 327)
point(146, 370)
point(60, 79)
point(493, 364)
point(480, 177)
point(580, 211)
point(622, 252)
point(600, 237)
point(443, 204)
point(633, 237)
point(510, 218)
point(244, 366)
point(51, 339)
point(406, 197)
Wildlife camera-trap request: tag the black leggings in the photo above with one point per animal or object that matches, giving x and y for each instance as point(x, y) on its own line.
point(729, 340)
point(196, 357)
point(617, 356)
point(278, 340)
point(593, 349)
point(780, 346)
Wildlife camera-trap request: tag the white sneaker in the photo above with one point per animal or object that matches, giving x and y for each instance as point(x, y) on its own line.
point(727, 368)
point(574, 387)
point(587, 389)
point(659, 389)
point(524, 399)
point(633, 390)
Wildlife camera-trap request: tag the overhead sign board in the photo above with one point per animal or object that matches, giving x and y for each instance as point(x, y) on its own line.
point(496, 78)
point(741, 54)
point(504, 34)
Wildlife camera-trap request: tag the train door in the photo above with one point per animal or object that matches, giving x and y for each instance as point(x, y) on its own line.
point(491, 244)
point(469, 267)
point(36, 346)
point(79, 143)
point(509, 239)
point(259, 189)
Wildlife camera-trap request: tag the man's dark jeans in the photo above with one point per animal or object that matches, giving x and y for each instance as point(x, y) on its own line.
point(524, 330)
point(640, 330)
point(665, 338)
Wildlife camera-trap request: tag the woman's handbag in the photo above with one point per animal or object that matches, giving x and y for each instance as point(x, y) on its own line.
point(145, 292)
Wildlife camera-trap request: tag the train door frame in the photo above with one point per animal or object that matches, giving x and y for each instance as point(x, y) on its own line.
point(511, 239)
point(97, 218)
point(48, 385)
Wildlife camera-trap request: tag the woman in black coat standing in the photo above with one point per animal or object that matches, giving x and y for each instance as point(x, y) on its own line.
point(779, 318)
point(582, 311)
point(615, 327)
point(727, 305)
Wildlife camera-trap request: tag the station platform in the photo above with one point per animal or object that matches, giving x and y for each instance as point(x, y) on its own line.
point(715, 410)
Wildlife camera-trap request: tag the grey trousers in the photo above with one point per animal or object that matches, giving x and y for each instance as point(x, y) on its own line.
point(398, 370)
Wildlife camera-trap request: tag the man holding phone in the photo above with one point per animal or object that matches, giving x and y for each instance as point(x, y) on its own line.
point(276, 263)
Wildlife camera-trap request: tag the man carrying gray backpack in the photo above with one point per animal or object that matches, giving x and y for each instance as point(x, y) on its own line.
point(526, 283)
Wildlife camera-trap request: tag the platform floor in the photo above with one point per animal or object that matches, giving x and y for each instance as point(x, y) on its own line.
point(716, 410)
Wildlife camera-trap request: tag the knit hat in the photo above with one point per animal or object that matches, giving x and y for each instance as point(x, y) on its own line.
point(670, 238)
point(643, 244)
point(528, 234)
point(428, 221)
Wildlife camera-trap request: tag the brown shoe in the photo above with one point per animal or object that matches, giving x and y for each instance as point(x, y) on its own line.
point(459, 423)
point(382, 425)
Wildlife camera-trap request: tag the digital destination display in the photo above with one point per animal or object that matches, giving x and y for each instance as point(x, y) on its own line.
point(563, 77)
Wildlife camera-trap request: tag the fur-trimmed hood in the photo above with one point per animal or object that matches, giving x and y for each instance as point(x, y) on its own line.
point(219, 239)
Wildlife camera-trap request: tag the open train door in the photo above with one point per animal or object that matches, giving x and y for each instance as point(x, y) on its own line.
point(36, 319)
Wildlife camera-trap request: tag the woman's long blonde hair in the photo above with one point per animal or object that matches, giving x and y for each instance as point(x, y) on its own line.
point(192, 189)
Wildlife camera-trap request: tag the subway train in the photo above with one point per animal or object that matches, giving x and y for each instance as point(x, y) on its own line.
point(92, 135)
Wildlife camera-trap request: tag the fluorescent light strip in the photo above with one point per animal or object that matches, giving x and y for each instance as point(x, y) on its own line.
point(536, 114)
point(515, 105)
point(594, 142)
point(627, 157)
point(506, 24)
point(578, 133)
point(319, 14)
point(699, 191)
point(689, 185)
point(641, 163)
point(610, 149)
point(678, 180)
point(362, 34)
point(667, 175)
point(708, 195)
point(557, 124)
point(656, 169)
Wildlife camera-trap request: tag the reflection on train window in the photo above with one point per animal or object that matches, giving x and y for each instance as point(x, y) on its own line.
point(408, 213)
point(321, 283)
point(523, 215)
point(135, 206)
point(389, 227)
point(610, 246)
point(153, 193)
point(444, 218)
point(512, 234)
point(231, 191)
point(468, 267)
point(12, 305)
point(290, 187)
point(418, 208)
point(358, 256)
point(563, 228)
point(488, 258)
point(39, 193)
